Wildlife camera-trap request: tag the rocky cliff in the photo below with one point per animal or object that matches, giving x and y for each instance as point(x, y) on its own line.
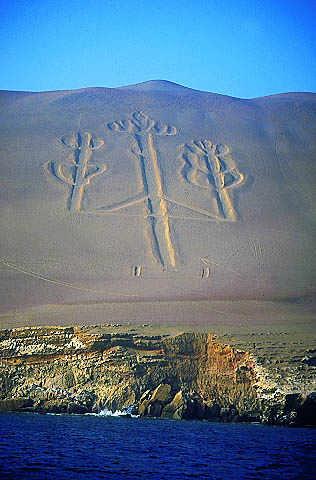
point(188, 375)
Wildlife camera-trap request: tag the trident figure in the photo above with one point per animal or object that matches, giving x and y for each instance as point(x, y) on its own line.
point(144, 129)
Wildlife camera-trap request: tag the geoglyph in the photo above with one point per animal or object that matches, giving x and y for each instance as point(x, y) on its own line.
point(204, 165)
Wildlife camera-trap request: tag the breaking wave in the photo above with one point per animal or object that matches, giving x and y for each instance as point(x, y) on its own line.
point(105, 412)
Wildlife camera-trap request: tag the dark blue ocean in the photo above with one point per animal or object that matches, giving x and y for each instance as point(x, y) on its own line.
point(36, 447)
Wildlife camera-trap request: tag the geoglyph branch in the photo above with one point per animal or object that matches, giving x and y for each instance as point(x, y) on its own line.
point(79, 172)
point(210, 166)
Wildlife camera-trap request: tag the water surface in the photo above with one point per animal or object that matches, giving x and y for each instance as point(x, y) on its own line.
point(75, 447)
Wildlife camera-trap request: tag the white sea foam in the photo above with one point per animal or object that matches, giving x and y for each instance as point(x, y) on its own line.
point(105, 412)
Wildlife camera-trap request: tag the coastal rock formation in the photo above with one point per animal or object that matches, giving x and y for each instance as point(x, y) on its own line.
point(190, 376)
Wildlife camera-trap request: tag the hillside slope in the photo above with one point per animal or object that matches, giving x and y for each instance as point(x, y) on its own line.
point(155, 191)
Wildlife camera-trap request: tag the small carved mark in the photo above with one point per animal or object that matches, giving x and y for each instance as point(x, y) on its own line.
point(137, 270)
point(205, 273)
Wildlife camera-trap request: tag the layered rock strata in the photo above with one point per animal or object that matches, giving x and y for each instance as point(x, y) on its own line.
point(189, 375)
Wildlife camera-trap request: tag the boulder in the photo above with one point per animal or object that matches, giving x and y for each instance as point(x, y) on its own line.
point(229, 414)
point(212, 411)
point(151, 403)
point(16, 404)
point(161, 393)
point(306, 412)
point(175, 408)
point(185, 405)
point(154, 409)
point(143, 408)
point(143, 403)
point(63, 406)
point(194, 407)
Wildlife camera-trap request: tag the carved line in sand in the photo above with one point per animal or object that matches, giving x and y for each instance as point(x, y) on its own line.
point(257, 251)
point(60, 283)
point(211, 167)
point(205, 272)
point(206, 268)
point(79, 171)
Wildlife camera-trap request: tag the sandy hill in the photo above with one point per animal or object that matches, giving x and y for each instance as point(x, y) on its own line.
point(155, 192)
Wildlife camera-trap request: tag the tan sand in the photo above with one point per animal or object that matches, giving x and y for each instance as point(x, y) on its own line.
point(196, 207)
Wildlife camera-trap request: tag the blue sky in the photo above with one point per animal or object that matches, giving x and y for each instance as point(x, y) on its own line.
point(241, 48)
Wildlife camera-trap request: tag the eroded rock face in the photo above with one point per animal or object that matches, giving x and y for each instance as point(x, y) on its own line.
point(191, 375)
